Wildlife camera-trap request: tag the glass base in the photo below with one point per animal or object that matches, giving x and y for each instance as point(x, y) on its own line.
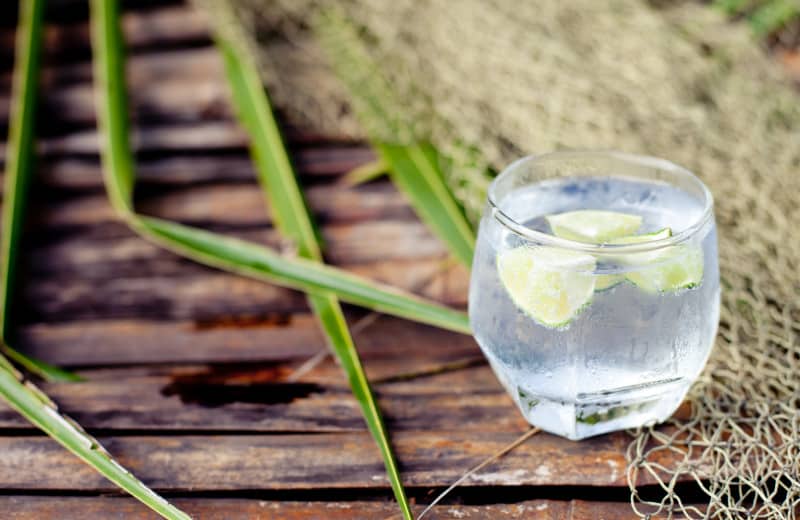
point(595, 414)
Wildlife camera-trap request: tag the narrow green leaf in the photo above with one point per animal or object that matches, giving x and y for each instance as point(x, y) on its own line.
point(364, 173)
point(289, 211)
point(292, 218)
point(37, 408)
point(107, 49)
point(112, 109)
point(44, 370)
point(329, 313)
point(415, 170)
point(262, 263)
point(19, 170)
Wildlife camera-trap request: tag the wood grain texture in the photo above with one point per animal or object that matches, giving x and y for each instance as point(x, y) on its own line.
point(175, 100)
point(232, 205)
point(257, 397)
point(45, 508)
point(136, 341)
point(323, 460)
point(111, 249)
point(188, 87)
point(190, 137)
point(314, 162)
point(143, 70)
point(203, 296)
point(232, 339)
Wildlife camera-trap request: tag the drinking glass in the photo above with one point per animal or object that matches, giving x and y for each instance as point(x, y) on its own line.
point(590, 335)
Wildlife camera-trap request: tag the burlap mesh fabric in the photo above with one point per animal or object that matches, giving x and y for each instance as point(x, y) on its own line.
point(490, 80)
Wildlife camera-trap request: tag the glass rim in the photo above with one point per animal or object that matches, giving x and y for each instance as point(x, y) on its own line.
point(599, 248)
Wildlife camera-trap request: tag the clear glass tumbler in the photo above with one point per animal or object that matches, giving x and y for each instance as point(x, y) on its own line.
point(595, 288)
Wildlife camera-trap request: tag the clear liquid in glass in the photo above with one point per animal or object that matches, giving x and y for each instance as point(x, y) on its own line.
point(626, 359)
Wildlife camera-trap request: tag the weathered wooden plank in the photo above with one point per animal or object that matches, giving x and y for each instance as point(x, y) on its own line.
point(258, 398)
point(218, 136)
point(143, 71)
point(328, 161)
point(44, 508)
point(111, 251)
point(172, 100)
point(122, 342)
point(325, 460)
point(244, 205)
point(158, 297)
point(187, 294)
point(203, 136)
point(263, 337)
point(231, 205)
point(205, 297)
point(86, 174)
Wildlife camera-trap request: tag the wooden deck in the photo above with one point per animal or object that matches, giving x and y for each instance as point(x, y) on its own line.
point(188, 368)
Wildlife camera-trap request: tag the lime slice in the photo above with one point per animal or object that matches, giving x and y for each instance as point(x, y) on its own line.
point(551, 285)
point(607, 281)
point(646, 237)
point(594, 226)
point(669, 269)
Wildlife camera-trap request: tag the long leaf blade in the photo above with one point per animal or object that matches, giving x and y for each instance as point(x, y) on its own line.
point(37, 408)
point(415, 170)
point(262, 263)
point(273, 167)
point(292, 218)
point(116, 156)
point(329, 313)
point(112, 109)
point(44, 370)
point(19, 170)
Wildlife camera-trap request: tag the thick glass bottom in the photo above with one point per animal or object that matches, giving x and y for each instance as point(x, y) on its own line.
point(593, 414)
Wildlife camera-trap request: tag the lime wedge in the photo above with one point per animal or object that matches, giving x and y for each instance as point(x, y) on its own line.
point(549, 284)
point(607, 281)
point(669, 269)
point(594, 226)
point(646, 237)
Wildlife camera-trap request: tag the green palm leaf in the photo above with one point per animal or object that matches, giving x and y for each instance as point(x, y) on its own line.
point(292, 218)
point(415, 168)
point(262, 263)
point(22, 395)
point(19, 170)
